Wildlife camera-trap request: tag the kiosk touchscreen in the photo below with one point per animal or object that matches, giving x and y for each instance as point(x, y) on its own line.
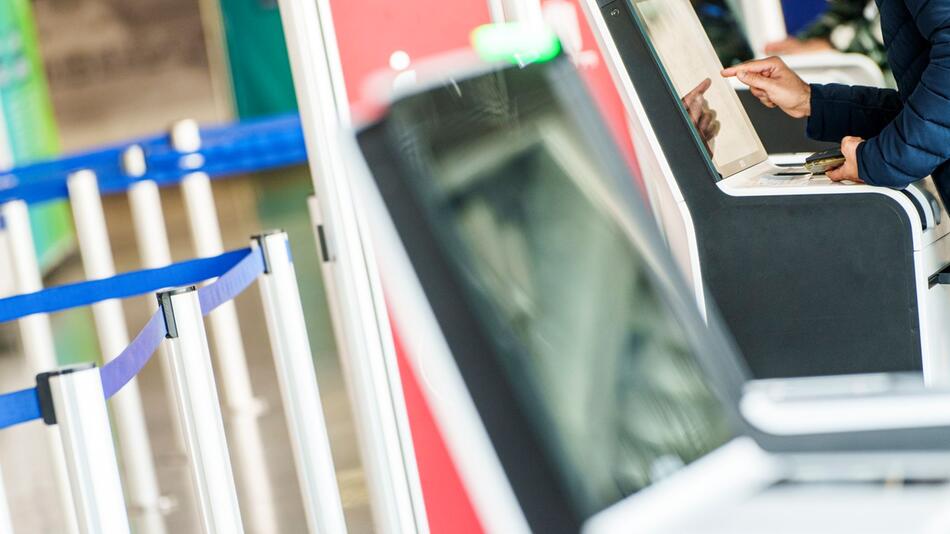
point(812, 278)
point(571, 374)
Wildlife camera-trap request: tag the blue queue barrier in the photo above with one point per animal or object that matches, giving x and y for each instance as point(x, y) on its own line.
point(74, 398)
point(243, 147)
point(268, 261)
point(223, 151)
point(235, 270)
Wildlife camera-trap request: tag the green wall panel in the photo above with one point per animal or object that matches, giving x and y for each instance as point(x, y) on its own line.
point(257, 53)
point(30, 129)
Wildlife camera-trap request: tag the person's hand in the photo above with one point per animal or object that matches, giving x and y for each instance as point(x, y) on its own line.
point(848, 171)
point(775, 85)
point(792, 46)
point(699, 112)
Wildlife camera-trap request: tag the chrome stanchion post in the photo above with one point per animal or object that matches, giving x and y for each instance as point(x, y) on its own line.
point(147, 217)
point(36, 332)
point(206, 233)
point(6, 525)
point(298, 386)
point(200, 412)
point(72, 398)
point(7, 284)
point(242, 407)
point(148, 220)
point(113, 335)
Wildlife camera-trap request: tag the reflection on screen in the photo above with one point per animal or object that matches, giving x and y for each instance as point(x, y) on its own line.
point(569, 300)
point(689, 58)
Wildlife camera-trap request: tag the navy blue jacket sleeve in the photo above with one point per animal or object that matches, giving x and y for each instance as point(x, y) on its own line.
point(918, 140)
point(838, 111)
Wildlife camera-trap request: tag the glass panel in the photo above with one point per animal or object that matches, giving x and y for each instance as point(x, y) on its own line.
point(689, 58)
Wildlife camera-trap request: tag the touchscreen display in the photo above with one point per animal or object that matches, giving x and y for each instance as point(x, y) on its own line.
point(689, 58)
point(528, 217)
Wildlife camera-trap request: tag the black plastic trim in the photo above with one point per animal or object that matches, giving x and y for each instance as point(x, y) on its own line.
point(168, 310)
point(45, 395)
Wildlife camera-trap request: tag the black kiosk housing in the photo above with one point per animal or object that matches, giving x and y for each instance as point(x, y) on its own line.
point(816, 284)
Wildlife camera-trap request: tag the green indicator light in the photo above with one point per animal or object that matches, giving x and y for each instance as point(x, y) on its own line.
point(517, 43)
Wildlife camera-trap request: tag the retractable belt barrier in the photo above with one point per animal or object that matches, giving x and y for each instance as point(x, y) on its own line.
point(247, 146)
point(73, 398)
point(189, 157)
point(235, 270)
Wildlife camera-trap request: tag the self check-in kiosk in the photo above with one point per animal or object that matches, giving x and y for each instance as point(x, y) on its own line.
point(812, 277)
point(573, 380)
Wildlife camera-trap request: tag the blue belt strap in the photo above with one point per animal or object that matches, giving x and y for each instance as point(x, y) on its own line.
point(242, 266)
point(232, 283)
point(126, 365)
point(125, 285)
point(225, 150)
point(19, 407)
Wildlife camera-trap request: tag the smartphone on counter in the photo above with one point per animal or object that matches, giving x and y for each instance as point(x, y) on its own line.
point(824, 161)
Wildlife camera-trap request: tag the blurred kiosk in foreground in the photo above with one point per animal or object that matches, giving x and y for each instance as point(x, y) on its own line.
point(572, 377)
point(812, 278)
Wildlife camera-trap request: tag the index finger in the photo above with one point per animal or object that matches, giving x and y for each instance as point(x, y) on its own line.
point(756, 66)
point(699, 89)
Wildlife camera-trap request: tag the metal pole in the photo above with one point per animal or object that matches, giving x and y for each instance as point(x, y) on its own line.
point(35, 329)
point(6, 525)
point(243, 407)
point(247, 446)
point(206, 234)
point(148, 221)
point(298, 386)
point(197, 396)
point(7, 275)
point(361, 323)
point(147, 216)
point(36, 333)
point(113, 335)
point(72, 398)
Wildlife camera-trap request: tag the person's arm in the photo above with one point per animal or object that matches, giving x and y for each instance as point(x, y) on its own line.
point(838, 111)
point(917, 141)
point(834, 111)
